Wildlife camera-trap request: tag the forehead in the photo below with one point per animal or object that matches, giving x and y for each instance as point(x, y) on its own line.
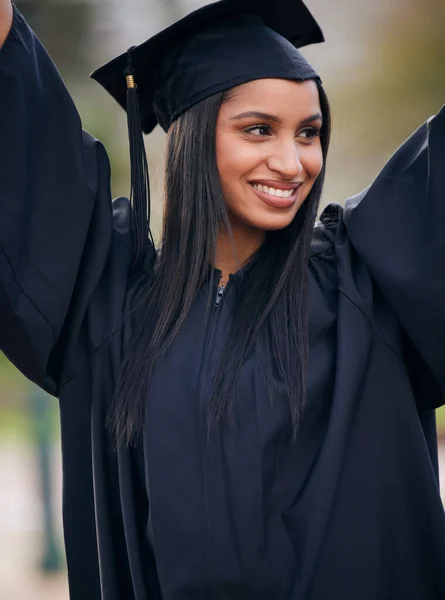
point(274, 95)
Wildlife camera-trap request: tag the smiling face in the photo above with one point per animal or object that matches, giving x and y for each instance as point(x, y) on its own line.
point(268, 152)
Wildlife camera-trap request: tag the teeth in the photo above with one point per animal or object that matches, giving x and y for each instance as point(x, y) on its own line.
point(273, 191)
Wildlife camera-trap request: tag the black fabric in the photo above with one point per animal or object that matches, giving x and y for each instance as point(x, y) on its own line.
point(212, 49)
point(353, 510)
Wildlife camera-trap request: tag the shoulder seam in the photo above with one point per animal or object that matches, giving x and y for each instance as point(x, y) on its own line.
point(25, 294)
point(343, 293)
point(90, 357)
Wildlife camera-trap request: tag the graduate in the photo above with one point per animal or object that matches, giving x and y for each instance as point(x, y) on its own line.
point(247, 411)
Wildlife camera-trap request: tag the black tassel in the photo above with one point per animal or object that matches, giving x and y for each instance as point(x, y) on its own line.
point(140, 182)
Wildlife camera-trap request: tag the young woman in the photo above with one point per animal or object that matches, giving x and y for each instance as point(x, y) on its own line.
point(248, 413)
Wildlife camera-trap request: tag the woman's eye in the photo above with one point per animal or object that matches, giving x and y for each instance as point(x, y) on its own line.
point(259, 130)
point(310, 133)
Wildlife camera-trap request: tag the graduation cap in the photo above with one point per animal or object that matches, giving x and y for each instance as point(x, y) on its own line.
point(214, 48)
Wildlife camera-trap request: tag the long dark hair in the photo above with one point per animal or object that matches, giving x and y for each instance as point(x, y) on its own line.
point(271, 305)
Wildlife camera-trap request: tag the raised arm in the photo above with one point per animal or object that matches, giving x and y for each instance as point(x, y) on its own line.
point(56, 226)
point(397, 229)
point(5, 19)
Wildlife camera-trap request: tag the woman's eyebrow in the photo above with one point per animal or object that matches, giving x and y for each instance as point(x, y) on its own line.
point(315, 117)
point(268, 117)
point(256, 115)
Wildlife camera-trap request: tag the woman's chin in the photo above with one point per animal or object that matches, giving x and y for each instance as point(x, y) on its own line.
point(257, 218)
point(273, 223)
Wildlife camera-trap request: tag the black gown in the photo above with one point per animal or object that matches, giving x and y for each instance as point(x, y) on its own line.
point(352, 511)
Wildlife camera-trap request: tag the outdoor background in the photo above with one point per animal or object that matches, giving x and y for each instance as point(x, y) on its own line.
point(383, 68)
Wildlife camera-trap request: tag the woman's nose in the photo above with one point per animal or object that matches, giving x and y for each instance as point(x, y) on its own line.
point(286, 160)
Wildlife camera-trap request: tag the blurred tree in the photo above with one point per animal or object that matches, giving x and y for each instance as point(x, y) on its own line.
point(65, 30)
point(399, 86)
point(41, 412)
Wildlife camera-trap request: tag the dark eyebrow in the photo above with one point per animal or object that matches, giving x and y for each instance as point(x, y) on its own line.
point(267, 117)
point(256, 115)
point(316, 117)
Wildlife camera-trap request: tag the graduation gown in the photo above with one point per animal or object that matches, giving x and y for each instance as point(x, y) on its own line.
point(350, 511)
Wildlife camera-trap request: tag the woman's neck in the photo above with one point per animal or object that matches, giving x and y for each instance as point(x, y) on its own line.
point(234, 252)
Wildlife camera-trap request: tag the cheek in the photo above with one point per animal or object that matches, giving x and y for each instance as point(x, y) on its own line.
point(235, 159)
point(313, 163)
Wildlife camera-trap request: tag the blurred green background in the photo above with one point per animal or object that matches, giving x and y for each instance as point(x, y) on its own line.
point(383, 68)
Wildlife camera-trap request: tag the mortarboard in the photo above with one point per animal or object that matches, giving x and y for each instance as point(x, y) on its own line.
point(214, 48)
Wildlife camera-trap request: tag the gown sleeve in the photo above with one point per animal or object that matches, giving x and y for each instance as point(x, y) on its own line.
point(397, 229)
point(56, 220)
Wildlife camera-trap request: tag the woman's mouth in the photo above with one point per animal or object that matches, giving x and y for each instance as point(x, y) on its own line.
point(276, 197)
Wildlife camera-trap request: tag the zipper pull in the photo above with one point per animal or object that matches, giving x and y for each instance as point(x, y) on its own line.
point(221, 289)
point(219, 294)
